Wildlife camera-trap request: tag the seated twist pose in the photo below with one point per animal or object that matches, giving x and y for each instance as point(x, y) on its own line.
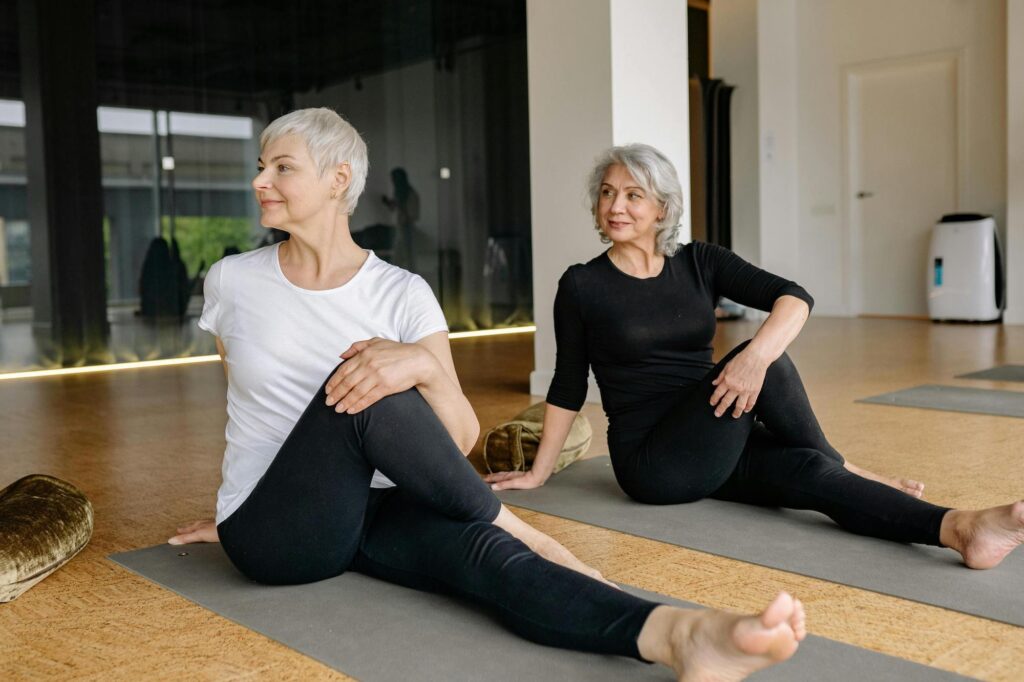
point(361, 467)
point(642, 316)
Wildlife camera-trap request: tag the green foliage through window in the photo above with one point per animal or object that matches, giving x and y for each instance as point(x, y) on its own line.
point(202, 239)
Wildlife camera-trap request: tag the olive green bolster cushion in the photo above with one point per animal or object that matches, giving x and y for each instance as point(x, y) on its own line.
point(44, 521)
point(512, 445)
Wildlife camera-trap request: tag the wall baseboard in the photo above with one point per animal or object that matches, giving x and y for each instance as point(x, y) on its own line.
point(1013, 315)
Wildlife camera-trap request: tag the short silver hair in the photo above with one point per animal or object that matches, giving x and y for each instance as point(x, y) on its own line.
point(657, 176)
point(330, 140)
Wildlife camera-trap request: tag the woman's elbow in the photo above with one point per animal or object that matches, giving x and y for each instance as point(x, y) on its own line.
point(805, 308)
point(801, 305)
point(469, 437)
point(469, 432)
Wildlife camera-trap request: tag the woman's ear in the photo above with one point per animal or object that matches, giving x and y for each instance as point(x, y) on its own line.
point(342, 179)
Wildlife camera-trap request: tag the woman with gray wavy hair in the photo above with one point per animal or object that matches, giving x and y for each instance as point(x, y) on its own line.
point(641, 315)
point(658, 178)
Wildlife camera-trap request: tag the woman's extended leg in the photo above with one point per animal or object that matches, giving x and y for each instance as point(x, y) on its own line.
point(770, 472)
point(412, 545)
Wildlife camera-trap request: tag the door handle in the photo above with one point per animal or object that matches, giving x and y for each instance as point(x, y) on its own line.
point(865, 195)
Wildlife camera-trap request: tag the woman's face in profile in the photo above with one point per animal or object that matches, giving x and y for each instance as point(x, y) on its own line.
point(625, 211)
point(288, 186)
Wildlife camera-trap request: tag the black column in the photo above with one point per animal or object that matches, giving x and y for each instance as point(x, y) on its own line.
point(62, 143)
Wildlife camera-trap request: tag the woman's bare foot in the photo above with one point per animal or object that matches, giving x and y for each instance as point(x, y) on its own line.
point(545, 545)
point(907, 485)
point(704, 645)
point(984, 537)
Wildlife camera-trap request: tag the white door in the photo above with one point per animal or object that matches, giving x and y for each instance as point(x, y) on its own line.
point(902, 172)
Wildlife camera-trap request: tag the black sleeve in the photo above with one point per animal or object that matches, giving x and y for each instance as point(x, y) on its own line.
point(729, 275)
point(569, 386)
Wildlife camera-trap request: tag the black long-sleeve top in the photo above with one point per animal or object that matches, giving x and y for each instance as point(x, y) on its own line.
point(648, 338)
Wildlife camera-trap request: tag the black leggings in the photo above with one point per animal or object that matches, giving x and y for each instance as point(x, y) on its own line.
point(313, 515)
point(781, 459)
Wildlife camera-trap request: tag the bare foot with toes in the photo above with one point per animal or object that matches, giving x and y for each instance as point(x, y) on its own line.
point(706, 645)
point(984, 537)
point(906, 485)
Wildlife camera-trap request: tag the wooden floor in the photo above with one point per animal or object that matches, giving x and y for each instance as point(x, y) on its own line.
point(145, 446)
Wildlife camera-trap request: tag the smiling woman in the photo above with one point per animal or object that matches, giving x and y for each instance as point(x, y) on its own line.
point(651, 198)
point(681, 427)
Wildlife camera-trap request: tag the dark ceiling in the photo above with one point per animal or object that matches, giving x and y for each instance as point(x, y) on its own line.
point(260, 51)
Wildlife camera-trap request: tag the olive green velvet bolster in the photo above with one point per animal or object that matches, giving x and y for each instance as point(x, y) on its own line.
point(512, 445)
point(44, 521)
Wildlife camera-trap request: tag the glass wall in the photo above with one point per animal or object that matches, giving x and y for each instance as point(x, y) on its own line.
point(436, 87)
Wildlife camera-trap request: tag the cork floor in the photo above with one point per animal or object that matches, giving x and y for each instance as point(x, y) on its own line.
point(145, 446)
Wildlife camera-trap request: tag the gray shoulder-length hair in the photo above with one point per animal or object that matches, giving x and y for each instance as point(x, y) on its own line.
point(657, 176)
point(331, 141)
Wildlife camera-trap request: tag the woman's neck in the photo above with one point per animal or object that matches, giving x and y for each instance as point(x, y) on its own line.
point(322, 255)
point(638, 261)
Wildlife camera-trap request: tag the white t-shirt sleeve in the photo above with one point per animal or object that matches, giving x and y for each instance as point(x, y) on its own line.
point(212, 292)
point(422, 314)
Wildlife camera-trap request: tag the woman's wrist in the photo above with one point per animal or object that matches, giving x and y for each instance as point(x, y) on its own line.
point(543, 466)
point(764, 356)
point(539, 474)
point(430, 373)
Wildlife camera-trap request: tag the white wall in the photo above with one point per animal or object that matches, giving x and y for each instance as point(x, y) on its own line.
point(568, 46)
point(802, 236)
point(1015, 161)
point(650, 88)
point(734, 49)
point(779, 137)
point(601, 73)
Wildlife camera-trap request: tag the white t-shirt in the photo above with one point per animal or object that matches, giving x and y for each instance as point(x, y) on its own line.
point(282, 341)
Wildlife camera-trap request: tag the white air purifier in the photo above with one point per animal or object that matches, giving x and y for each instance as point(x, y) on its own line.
point(965, 270)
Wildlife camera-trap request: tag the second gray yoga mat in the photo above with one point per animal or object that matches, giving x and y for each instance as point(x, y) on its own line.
point(801, 542)
point(1000, 373)
point(955, 399)
point(378, 632)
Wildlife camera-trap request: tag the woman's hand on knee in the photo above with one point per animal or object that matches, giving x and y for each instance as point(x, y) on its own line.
point(515, 480)
point(376, 368)
point(739, 384)
point(204, 530)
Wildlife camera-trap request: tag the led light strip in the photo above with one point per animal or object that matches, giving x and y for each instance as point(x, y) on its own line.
point(494, 332)
point(113, 367)
point(142, 364)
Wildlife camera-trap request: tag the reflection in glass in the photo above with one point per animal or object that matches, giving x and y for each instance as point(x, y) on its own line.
point(436, 87)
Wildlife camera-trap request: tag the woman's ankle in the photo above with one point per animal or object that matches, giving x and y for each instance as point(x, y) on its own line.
point(949, 530)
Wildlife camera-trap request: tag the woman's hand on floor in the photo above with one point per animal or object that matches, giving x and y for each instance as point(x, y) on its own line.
point(515, 480)
point(376, 368)
point(739, 384)
point(204, 530)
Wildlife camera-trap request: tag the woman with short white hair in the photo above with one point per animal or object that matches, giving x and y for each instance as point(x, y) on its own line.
point(642, 316)
point(361, 467)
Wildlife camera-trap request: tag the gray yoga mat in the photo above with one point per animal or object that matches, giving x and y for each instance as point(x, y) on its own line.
point(955, 399)
point(378, 632)
point(1000, 373)
point(801, 542)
